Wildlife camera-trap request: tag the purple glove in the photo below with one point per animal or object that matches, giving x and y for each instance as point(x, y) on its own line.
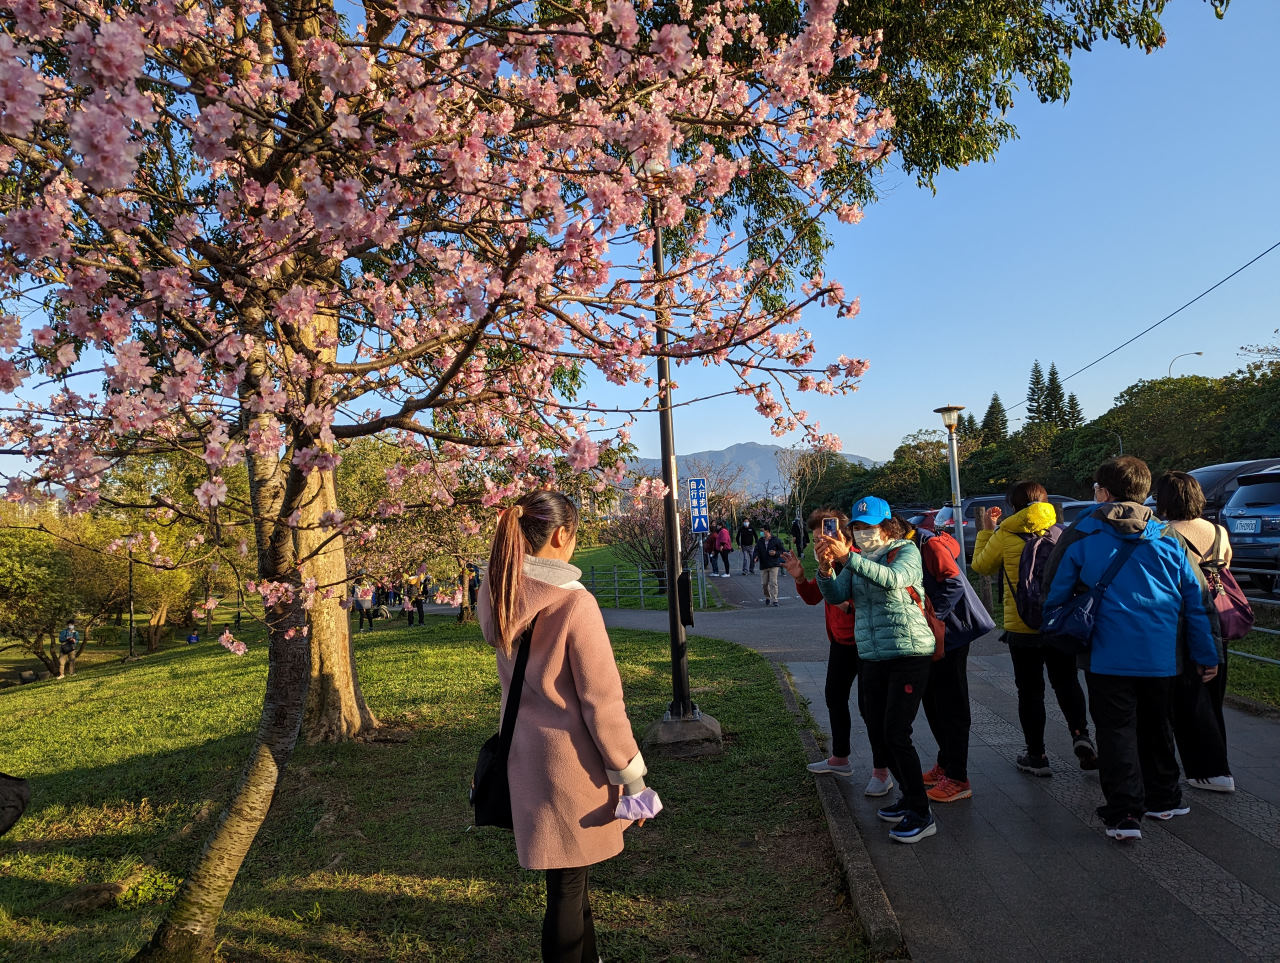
point(643, 805)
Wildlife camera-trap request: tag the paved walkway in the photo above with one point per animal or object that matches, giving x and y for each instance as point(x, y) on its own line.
point(1023, 871)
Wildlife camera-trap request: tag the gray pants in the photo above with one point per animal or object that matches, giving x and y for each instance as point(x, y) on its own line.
point(66, 663)
point(769, 583)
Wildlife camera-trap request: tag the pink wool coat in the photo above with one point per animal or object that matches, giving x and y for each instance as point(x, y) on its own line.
point(572, 750)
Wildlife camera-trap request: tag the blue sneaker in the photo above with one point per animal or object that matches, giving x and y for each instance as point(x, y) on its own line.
point(894, 813)
point(913, 828)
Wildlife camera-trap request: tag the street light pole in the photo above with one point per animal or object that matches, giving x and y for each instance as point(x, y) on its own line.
point(950, 416)
point(681, 705)
point(1176, 357)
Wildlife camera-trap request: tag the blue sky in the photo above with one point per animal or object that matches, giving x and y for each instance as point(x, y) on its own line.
point(1156, 179)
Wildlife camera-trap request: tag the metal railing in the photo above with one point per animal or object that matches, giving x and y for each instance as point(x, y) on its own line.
point(625, 586)
point(1255, 601)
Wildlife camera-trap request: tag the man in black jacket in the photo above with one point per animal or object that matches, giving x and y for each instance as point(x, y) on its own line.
point(768, 553)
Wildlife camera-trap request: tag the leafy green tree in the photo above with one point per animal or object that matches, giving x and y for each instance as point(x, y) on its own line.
point(37, 587)
point(995, 423)
point(1074, 413)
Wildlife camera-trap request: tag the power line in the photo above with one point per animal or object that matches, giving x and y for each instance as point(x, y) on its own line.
point(1161, 321)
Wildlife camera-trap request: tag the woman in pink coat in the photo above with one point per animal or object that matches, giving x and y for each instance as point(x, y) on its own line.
point(576, 773)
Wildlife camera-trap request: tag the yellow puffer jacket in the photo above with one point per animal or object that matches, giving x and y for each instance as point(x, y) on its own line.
point(1003, 547)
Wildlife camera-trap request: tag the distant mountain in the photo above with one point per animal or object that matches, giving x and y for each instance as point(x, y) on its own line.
point(758, 462)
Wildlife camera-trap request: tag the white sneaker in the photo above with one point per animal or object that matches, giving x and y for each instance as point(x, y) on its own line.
point(1168, 813)
point(826, 765)
point(1214, 784)
point(878, 786)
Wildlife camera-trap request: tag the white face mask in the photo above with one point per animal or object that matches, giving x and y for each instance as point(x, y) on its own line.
point(868, 539)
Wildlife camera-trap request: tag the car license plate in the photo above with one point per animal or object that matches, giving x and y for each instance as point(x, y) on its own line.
point(1246, 525)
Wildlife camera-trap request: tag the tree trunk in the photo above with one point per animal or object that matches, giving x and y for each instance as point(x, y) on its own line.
point(187, 932)
point(336, 708)
point(155, 625)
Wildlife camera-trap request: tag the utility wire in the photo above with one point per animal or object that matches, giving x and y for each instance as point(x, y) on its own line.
point(1161, 321)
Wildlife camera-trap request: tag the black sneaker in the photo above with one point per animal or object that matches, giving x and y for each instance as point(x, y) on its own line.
point(895, 813)
point(1036, 765)
point(1085, 751)
point(913, 828)
point(1125, 830)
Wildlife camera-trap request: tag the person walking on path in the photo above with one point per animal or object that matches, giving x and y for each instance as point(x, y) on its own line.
point(575, 770)
point(998, 551)
point(884, 579)
point(946, 697)
point(747, 543)
point(769, 554)
point(1154, 606)
point(724, 545)
point(68, 644)
point(1199, 727)
point(842, 667)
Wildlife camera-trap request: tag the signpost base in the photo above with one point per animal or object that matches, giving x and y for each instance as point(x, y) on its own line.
point(692, 737)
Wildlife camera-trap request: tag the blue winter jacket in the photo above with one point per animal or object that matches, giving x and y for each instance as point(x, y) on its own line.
point(888, 622)
point(1154, 606)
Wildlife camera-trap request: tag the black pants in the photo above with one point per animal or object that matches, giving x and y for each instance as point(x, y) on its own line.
point(1030, 662)
point(365, 614)
point(568, 934)
point(946, 706)
point(1136, 764)
point(842, 669)
point(1198, 725)
point(724, 557)
point(891, 691)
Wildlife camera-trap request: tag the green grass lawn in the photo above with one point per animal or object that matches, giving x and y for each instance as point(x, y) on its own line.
point(369, 853)
point(1259, 681)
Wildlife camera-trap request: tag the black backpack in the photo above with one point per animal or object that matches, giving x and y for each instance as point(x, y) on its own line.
point(1028, 594)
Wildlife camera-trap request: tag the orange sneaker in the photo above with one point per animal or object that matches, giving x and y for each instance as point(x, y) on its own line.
point(933, 776)
point(950, 791)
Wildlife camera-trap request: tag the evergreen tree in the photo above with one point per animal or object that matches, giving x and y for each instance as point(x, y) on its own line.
point(1035, 395)
point(1075, 414)
point(995, 423)
point(1053, 406)
point(971, 427)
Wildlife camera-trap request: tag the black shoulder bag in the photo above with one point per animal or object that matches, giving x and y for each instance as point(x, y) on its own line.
point(490, 792)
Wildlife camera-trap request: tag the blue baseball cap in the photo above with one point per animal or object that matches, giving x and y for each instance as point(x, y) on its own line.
point(870, 511)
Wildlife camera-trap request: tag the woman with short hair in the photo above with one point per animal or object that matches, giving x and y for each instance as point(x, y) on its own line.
point(1199, 726)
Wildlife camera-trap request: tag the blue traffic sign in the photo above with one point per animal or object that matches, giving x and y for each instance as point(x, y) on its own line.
point(698, 506)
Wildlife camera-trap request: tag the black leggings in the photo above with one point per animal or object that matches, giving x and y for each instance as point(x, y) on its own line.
point(946, 706)
point(568, 934)
point(1030, 662)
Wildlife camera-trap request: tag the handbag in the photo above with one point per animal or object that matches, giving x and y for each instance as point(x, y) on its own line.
point(1069, 626)
point(1235, 614)
point(490, 793)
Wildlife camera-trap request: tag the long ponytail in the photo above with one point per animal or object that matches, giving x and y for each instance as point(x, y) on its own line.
point(523, 529)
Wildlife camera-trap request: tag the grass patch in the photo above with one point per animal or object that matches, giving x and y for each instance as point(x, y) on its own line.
point(368, 853)
point(1259, 681)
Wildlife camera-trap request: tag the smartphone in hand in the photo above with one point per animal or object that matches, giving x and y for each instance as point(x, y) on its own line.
point(829, 527)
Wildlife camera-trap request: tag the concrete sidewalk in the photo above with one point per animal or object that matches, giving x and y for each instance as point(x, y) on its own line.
point(1022, 871)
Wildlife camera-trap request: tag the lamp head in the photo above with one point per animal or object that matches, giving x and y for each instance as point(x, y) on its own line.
point(950, 414)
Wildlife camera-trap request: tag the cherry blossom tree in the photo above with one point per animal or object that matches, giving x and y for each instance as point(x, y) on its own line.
point(242, 234)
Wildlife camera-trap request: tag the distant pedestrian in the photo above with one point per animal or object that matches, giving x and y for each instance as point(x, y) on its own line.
point(998, 551)
point(842, 667)
point(575, 771)
point(747, 544)
point(799, 534)
point(884, 579)
point(1199, 727)
point(362, 599)
point(1154, 609)
point(769, 551)
point(711, 551)
point(68, 643)
point(724, 545)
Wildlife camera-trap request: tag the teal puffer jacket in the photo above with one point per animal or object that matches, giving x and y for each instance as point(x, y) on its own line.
point(888, 623)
